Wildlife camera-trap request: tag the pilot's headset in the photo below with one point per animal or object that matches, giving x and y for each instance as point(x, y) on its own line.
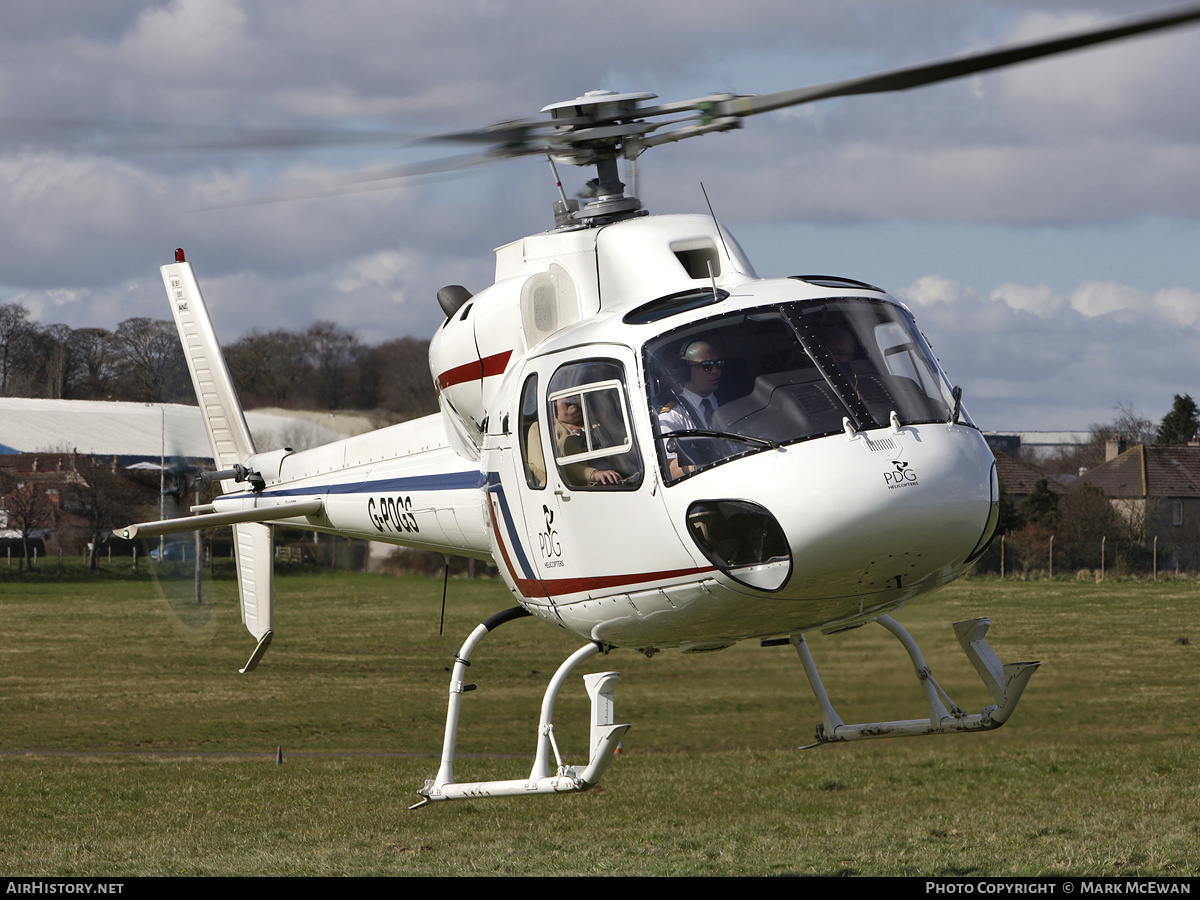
point(683, 365)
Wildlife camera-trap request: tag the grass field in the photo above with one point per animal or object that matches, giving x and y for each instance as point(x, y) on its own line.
point(130, 745)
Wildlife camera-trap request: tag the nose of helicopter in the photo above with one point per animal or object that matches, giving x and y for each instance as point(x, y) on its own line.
point(838, 516)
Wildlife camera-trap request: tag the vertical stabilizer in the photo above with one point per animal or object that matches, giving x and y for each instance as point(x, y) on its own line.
point(253, 549)
point(231, 443)
point(228, 434)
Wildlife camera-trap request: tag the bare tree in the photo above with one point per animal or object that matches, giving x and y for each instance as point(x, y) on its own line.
point(96, 361)
point(335, 353)
point(270, 368)
point(14, 331)
point(103, 497)
point(401, 368)
point(156, 370)
point(1129, 426)
point(27, 508)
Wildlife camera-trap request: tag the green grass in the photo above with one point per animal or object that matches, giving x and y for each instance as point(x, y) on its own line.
point(130, 745)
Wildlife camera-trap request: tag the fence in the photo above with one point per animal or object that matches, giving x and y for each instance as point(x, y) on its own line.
point(1015, 555)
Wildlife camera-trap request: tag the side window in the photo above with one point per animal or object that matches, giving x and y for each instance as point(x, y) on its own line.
point(593, 439)
point(530, 436)
point(904, 358)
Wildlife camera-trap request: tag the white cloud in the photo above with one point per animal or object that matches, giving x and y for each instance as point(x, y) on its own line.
point(1040, 299)
point(1097, 299)
point(1180, 304)
point(934, 290)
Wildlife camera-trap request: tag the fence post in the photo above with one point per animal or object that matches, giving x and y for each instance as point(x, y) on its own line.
point(1001, 556)
point(1155, 558)
point(1102, 541)
point(1051, 556)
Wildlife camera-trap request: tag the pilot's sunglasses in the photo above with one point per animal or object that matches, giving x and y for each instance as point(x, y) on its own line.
point(709, 364)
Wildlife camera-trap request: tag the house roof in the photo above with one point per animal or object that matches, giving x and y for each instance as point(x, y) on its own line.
point(1019, 478)
point(1149, 471)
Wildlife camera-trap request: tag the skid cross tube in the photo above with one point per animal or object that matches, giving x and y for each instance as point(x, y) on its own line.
point(547, 776)
point(1005, 683)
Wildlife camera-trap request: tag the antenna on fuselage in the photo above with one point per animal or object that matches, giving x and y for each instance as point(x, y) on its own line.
point(720, 233)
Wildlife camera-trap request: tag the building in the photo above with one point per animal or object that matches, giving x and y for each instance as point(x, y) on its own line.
point(1157, 486)
point(45, 445)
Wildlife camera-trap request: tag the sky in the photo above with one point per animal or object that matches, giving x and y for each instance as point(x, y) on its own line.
point(1042, 222)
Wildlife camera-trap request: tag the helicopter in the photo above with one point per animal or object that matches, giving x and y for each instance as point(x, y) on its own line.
point(656, 447)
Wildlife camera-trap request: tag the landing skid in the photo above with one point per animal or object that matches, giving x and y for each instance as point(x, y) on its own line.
point(545, 777)
point(1005, 682)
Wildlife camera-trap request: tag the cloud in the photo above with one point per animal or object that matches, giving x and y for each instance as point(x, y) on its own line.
point(1096, 140)
point(1039, 299)
point(934, 290)
point(1030, 359)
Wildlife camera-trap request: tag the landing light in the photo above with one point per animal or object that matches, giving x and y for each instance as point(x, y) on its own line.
point(743, 540)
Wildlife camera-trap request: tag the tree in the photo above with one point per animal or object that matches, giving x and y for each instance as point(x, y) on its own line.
point(1130, 426)
point(96, 359)
point(335, 353)
point(1086, 515)
point(1041, 506)
point(157, 371)
point(26, 507)
point(14, 332)
point(103, 497)
point(400, 369)
point(47, 363)
point(1181, 424)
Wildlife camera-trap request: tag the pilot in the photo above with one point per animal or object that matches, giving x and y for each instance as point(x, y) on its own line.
point(841, 344)
point(693, 408)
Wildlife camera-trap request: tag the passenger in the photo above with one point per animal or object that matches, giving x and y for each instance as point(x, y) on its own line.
point(570, 439)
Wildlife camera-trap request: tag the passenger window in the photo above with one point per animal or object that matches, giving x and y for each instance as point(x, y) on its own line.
point(593, 439)
point(530, 436)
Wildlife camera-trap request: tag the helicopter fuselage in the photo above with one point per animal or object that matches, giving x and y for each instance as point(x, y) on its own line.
point(836, 479)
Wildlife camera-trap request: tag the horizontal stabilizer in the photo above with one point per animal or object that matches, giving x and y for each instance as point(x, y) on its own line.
point(213, 520)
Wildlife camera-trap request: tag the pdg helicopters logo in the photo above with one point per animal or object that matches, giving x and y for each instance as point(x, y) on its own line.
point(902, 477)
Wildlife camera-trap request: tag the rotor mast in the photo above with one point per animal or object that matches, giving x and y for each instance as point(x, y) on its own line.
point(595, 130)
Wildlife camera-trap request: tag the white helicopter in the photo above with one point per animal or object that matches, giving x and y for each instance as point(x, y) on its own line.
point(790, 449)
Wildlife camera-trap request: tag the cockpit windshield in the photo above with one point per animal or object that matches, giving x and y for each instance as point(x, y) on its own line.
point(739, 383)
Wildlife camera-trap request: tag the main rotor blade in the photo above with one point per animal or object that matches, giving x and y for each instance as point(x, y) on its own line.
point(342, 187)
point(931, 73)
point(147, 137)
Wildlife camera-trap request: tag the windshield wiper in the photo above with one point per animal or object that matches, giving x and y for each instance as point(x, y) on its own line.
point(705, 432)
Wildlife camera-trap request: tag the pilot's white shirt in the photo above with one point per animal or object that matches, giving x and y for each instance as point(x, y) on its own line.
point(678, 417)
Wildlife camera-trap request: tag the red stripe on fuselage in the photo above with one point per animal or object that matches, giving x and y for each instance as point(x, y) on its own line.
point(474, 371)
point(528, 587)
point(557, 587)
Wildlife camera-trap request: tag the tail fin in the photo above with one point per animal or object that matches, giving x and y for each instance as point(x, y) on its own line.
point(231, 444)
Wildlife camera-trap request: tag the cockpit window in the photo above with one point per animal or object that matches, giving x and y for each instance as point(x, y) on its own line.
point(593, 438)
point(736, 384)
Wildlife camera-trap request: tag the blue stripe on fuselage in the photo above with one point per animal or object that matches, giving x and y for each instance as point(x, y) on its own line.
point(494, 487)
point(453, 481)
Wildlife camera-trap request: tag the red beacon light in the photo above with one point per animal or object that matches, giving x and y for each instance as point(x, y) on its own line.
point(179, 255)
